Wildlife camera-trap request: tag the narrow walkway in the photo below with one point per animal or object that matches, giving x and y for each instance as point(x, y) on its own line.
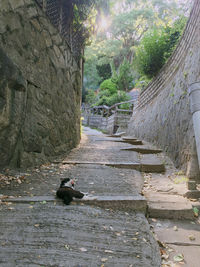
point(36, 229)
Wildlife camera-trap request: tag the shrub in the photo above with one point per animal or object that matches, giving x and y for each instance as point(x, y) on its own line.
point(125, 77)
point(117, 97)
point(109, 85)
point(156, 47)
point(150, 53)
point(90, 97)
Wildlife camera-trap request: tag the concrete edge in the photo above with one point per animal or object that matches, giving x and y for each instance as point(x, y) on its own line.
point(134, 203)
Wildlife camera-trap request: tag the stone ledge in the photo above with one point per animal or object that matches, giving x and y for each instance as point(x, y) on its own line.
point(144, 167)
point(133, 203)
point(192, 194)
point(168, 206)
point(143, 150)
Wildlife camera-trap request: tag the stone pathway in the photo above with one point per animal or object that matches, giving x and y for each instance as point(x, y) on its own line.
point(109, 228)
point(39, 230)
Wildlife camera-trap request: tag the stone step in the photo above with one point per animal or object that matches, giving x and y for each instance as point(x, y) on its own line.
point(117, 134)
point(192, 194)
point(143, 166)
point(143, 150)
point(151, 163)
point(132, 141)
point(165, 206)
point(127, 203)
point(119, 140)
point(129, 138)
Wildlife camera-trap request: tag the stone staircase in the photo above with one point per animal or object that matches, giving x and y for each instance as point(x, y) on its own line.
point(153, 201)
point(164, 205)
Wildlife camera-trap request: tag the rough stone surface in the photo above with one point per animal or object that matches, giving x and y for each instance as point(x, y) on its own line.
point(56, 235)
point(40, 230)
point(163, 114)
point(179, 237)
point(40, 87)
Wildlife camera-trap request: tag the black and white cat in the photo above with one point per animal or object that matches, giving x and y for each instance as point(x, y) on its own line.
point(67, 191)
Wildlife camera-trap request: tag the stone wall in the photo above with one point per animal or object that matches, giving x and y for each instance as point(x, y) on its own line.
point(40, 87)
point(163, 115)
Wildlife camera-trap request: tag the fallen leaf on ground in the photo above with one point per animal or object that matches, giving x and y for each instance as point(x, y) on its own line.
point(109, 251)
point(118, 234)
point(83, 249)
point(161, 244)
point(165, 256)
point(37, 225)
point(135, 238)
point(191, 237)
point(104, 259)
point(162, 251)
point(179, 258)
point(196, 211)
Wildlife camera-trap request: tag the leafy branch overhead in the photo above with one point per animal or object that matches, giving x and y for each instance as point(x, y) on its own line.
point(132, 30)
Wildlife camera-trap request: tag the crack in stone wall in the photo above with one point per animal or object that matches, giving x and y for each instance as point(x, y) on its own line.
point(40, 87)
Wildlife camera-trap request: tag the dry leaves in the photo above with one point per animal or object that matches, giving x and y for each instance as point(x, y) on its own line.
point(104, 259)
point(192, 237)
point(7, 179)
point(179, 258)
point(175, 228)
point(83, 249)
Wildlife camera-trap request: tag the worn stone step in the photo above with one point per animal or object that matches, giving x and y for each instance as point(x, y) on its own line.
point(143, 150)
point(132, 141)
point(119, 140)
point(134, 203)
point(192, 194)
point(151, 163)
point(129, 138)
point(126, 203)
point(167, 206)
point(117, 134)
point(143, 167)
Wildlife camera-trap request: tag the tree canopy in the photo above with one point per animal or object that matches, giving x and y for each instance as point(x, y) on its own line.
point(129, 31)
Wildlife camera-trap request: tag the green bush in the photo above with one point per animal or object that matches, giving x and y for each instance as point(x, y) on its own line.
point(117, 97)
point(150, 53)
point(109, 85)
point(156, 47)
point(90, 97)
point(125, 77)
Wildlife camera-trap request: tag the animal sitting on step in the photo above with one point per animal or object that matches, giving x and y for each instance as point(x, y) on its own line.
point(67, 191)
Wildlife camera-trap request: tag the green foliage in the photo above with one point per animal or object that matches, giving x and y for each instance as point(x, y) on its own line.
point(142, 82)
point(156, 46)
point(109, 85)
point(104, 71)
point(125, 77)
point(110, 100)
point(90, 97)
point(129, 31)
point(128, 21)
point(91, 77)
point(150, 54)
